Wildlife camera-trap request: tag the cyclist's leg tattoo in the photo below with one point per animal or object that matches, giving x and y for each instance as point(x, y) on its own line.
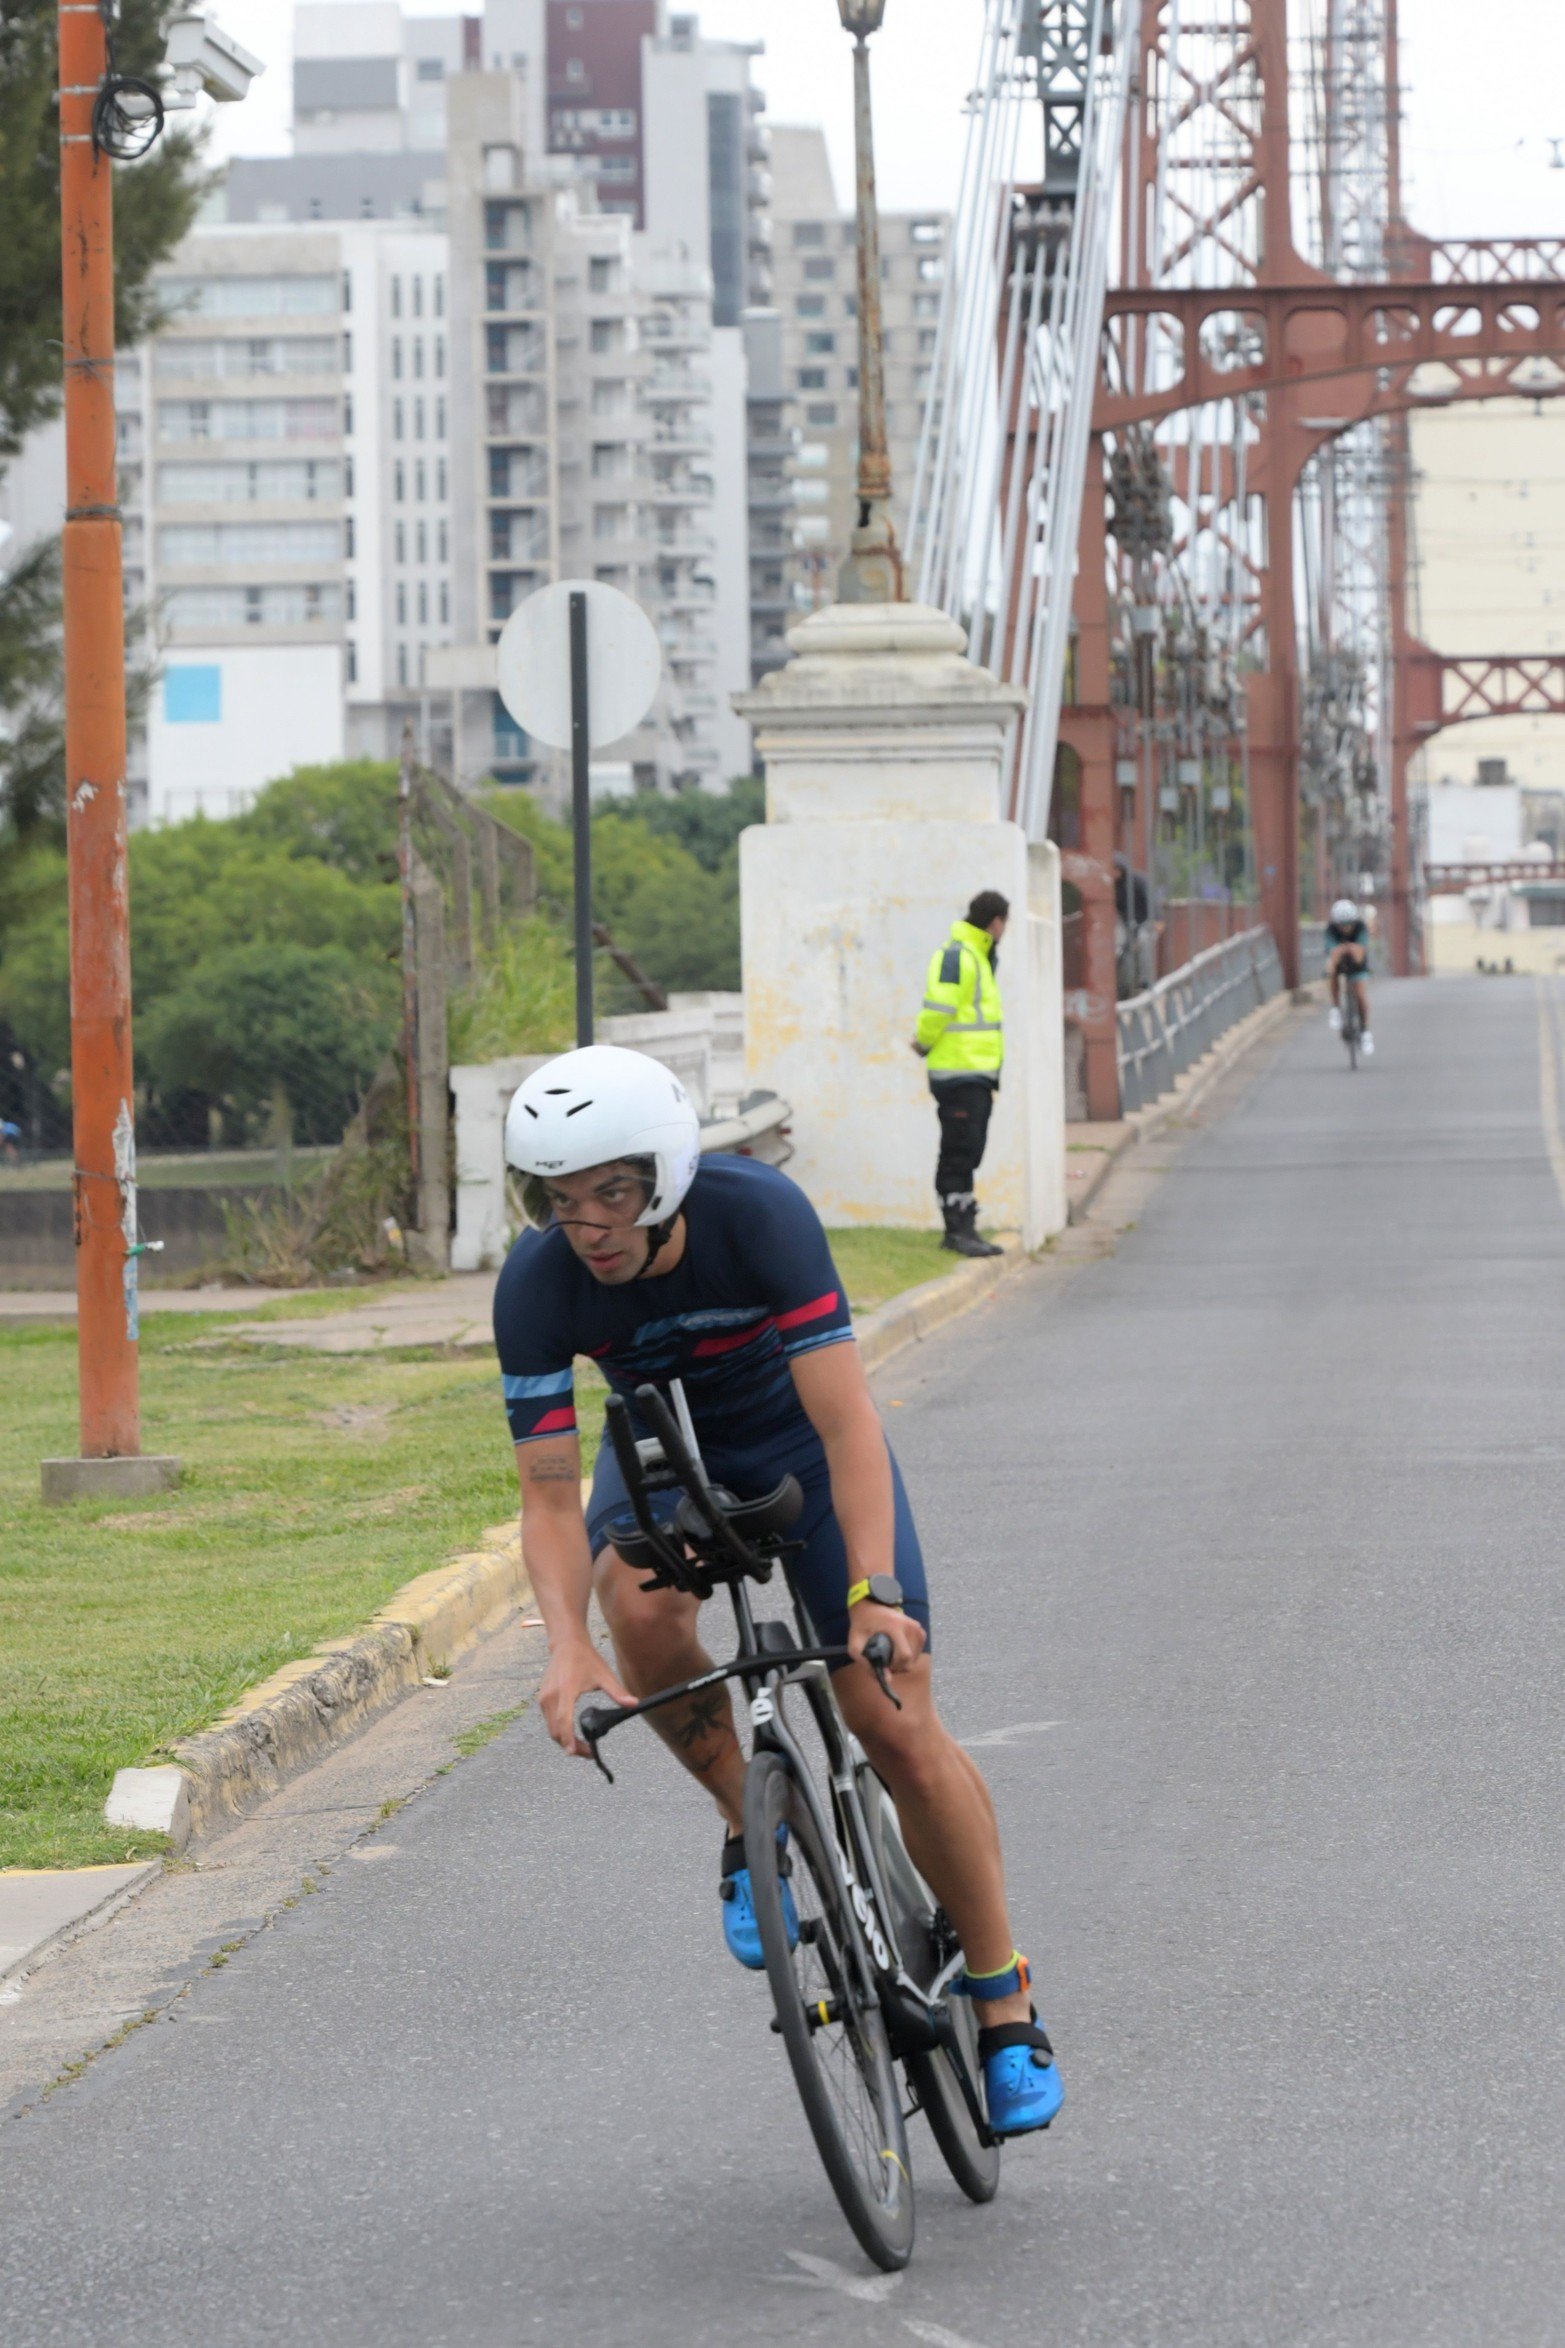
point(700, 1729)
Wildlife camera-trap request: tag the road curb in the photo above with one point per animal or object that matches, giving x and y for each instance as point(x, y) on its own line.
point(1188, 1090)
point(918, 1312)
point(303, 1712)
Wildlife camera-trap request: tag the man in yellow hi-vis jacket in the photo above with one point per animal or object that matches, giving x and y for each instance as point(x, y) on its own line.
point(961, 1035)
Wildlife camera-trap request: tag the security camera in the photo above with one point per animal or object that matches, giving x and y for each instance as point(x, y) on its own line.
point(202, 57)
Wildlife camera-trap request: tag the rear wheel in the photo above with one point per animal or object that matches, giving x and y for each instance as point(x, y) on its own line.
point(831, 2025)
point(974, 2164)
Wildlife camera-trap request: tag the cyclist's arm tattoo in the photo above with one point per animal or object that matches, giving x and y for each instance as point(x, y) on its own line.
point(551, 1471)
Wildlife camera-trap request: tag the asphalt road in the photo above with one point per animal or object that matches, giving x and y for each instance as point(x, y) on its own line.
point(1246, 1552)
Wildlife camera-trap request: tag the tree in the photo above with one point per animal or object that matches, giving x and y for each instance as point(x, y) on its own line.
point(274, 1032)
point(343, 815)
point(155, 202)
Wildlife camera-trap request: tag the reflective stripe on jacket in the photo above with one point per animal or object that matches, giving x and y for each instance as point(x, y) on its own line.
point(960, 1026)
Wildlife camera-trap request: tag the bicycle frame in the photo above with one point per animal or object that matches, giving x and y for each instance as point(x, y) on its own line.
point(768, 1664)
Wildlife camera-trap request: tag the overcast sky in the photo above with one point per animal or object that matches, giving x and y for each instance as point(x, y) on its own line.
point(1485, 94)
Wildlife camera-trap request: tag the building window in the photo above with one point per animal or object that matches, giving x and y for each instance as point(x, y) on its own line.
point(347, 537)
point(931, 271)
point(439, 289)
point(347, 478)
point(926, 305)
point(822, 412)
point(607, 334)
point(820, 346)
point(396, 357)
point(812, 378)
point(347, 289)
point(402, 542)
point(440, 483)
point(350, 609)
point(418, 356)
point(423, 541)
point(440, 356)
point(808, 232)
point(396, 419)
point(928, 232)
point(441, 547)
point(396, 297)
point(418, 297)
point(928, 336)
point(601, 274)
point(431, 69)
point(418, 419)
point(811, 305)
point(347, 415)
point(445, 601)
point(398, 481)
point(440, 419)
point(575, 71)
point(347, 354)
point(353, 662)
point(420, 472)
point(620, 167)
point(423, 604)
point(821, 270)
point(402, 603)
point(402, 664)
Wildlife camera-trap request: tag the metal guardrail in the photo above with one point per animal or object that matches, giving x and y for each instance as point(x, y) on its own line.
point(1166, 1030)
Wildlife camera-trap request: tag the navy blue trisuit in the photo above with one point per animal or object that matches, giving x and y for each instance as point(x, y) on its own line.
point(754, 1289)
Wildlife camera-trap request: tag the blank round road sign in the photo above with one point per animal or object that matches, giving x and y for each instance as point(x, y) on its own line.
point(624, 663)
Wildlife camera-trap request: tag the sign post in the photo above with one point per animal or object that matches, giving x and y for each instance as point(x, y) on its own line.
point(581, 817)
point(578, 666)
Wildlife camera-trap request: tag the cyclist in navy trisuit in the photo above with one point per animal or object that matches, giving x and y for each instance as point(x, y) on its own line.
point(658, 1264)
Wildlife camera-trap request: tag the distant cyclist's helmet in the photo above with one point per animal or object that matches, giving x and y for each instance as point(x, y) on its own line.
point(596, 1107)
point(1344, 911)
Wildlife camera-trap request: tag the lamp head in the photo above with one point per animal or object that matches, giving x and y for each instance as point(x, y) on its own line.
point(861, 17)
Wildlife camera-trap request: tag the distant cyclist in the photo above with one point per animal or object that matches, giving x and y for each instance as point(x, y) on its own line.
point(657, 1263)
point(1347, 958)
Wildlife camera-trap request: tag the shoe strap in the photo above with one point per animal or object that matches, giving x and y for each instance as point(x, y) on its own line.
point(1006, 2034)
point(1009, 1982)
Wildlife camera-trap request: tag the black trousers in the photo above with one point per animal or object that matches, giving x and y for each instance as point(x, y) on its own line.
point(964, 1104)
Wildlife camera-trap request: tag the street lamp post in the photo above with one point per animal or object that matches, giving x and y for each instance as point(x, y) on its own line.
point(872, 572)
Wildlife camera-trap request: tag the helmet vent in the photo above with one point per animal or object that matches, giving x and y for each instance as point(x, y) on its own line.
point(531, 1111)
point(580, 1105)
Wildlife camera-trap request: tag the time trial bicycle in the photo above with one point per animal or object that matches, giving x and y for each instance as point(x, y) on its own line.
point(862, 1970)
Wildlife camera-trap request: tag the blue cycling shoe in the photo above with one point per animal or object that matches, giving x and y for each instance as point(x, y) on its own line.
point(740, 1928)
point(1023, 2089)
point(1022, 2085)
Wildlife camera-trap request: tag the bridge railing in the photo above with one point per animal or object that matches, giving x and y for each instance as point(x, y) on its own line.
point(1167, 1029)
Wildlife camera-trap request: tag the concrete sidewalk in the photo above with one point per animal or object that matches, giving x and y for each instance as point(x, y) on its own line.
point(42, 1908)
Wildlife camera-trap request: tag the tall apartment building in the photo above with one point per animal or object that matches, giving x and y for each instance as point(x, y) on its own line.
point(815, 289)
point(288, 512)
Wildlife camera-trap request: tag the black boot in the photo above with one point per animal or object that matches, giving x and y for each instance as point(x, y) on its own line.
point(976, 1246)
point(961, 1237)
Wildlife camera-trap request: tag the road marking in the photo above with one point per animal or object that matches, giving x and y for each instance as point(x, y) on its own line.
point(824, 2274)
point(1549, 1080)
point(936, 2334)
point(1008, 1736)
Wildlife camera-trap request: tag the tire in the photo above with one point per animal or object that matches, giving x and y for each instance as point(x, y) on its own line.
point(975, 2166)
point(841, 2065)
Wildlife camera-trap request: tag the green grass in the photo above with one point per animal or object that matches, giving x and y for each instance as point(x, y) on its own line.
point(315, 1485)
point(878, 1264)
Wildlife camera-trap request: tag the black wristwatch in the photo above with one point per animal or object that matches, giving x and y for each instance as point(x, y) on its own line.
point(883, 1588)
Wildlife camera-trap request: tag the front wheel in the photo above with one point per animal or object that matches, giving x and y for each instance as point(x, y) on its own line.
point(830, 2021)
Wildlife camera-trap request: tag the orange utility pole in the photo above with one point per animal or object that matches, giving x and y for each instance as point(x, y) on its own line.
point(102, 1082)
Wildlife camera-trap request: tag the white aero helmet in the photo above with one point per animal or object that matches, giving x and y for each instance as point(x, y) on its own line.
point(1344, 910)
point(593, 1106)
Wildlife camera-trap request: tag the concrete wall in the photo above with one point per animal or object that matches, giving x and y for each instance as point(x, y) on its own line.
point(840, 920)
